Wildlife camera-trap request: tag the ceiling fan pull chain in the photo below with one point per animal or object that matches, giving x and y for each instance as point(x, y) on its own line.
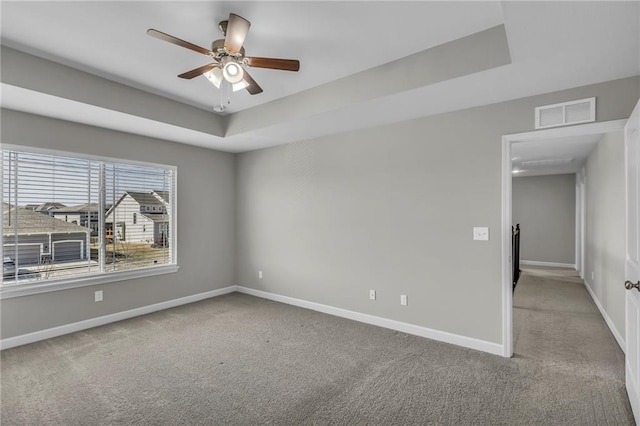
point(220, 106)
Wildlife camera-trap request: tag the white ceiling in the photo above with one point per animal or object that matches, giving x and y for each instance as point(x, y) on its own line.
point(553, 46)
point(542, 157)
point(331, 39)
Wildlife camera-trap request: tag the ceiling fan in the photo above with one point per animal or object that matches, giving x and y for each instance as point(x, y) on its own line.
point(229, 56)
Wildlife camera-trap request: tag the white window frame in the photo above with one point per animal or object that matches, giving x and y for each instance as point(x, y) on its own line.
point(11, 290)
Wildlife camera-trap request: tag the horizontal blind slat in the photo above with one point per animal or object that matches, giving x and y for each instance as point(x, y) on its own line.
point(50, 220)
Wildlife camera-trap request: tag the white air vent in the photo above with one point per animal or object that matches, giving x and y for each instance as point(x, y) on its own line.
point(574, 112)
point(548, 162)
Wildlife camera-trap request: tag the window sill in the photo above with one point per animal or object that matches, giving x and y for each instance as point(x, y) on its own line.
point(8, 291)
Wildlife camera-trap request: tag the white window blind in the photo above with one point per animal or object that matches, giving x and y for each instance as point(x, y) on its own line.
point(67, 217)
point(136, 237)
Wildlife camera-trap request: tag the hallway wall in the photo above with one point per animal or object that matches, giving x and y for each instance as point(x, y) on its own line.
point(605, 228)
point(545, 208)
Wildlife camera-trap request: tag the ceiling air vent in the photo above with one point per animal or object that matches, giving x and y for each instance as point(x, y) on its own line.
point(548, 162)
point(574, 112)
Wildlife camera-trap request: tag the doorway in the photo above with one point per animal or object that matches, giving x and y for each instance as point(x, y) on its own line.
point(508, 143)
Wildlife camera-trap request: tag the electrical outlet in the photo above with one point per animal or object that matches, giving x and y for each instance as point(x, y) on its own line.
point(481, 233)
point(260, 274)
point(403, 300)
point(98, 296)
point(372, 294)
point(593, 276)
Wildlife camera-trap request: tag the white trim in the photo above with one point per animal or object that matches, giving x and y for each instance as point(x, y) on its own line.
point(442, 336)
point(507, 251)
point(581, 180)
point(606, 317)
point(584, 129)
point(36, 336)
point(578, 228)
point(507, 140)
point(550, 264)
point(8, 291)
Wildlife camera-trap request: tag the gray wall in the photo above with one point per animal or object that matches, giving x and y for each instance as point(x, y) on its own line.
point(605, 226)
point(388, 208)
point(392, 209)
point(545, 208)
point(206, 223)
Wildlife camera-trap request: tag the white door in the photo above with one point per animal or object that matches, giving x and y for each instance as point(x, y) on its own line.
point(632, 262)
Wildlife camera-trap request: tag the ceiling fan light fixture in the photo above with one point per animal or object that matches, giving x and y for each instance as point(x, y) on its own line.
point(214, 76)
point(232, 72)
point(229, 57)
point(242, 84)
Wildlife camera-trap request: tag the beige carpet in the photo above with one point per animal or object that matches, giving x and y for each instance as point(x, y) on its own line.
point(241, 360)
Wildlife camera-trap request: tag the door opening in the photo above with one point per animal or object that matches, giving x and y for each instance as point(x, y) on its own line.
point(559, 140)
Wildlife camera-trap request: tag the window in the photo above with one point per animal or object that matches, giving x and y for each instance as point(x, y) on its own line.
point(39, 248)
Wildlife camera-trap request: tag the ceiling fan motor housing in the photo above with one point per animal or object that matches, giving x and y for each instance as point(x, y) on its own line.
point(218, 48)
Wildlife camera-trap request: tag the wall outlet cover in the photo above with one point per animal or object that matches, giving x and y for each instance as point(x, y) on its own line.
point(372, 294)
point(481, 233)
point(98, 296)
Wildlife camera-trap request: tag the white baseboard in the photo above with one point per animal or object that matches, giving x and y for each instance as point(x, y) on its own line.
point(24, 339)
point(550, 264)
point(442, 336)
point(606, 317)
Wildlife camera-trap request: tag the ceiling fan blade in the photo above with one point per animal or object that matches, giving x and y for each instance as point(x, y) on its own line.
point(237, 30)
point(273, 63)
point(198, 71)
point(253, 87)
point(174, 40)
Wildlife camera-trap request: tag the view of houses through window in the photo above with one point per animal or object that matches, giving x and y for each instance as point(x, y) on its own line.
point(68, 217)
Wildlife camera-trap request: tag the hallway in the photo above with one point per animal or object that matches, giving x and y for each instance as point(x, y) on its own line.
point(558, 327)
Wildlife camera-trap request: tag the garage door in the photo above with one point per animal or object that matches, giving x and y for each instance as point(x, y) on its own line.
point(28, 254)
point(64, 251)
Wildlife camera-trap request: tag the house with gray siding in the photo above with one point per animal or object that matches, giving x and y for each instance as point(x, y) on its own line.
point(85, 215)
point(32, 238)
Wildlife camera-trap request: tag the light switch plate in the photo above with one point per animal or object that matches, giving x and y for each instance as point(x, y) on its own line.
point(481, 233)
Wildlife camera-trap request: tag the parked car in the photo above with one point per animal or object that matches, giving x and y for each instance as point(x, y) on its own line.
point(8, 266)
point(9, 270)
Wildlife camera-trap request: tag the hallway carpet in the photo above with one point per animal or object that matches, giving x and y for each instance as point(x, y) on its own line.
point(237, 359)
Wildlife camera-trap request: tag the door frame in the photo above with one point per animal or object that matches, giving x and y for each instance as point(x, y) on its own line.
point(581, 216)
point(507, 141)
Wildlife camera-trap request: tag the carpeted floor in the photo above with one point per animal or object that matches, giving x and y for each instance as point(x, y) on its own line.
point(241, 360)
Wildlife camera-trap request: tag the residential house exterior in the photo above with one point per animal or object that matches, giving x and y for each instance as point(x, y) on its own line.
point(139, 217)
point(85, 215)
point(39, 237)
point(45, 208)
